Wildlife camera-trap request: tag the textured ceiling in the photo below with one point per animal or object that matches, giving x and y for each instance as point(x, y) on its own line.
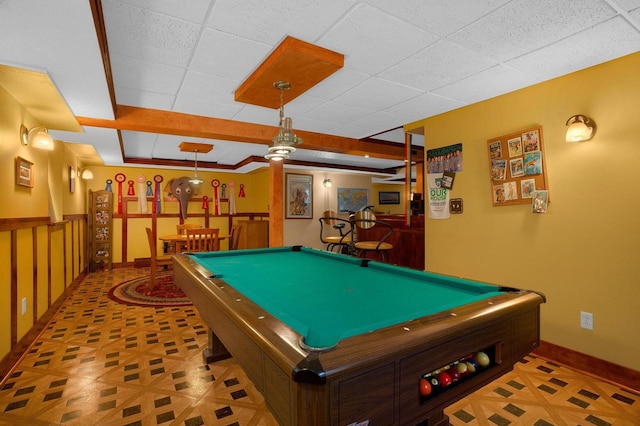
point(404, 60)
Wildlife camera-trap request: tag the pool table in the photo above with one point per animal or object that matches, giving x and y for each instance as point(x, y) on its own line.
point(337, 340)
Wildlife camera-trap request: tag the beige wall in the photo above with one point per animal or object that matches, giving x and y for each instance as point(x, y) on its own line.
point(583, 254)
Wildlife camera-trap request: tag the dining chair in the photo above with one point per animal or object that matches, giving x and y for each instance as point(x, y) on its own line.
point(365, 220)
point(234, 236)
point(156, 261)
point(181, 228)
point(203, 239)
point(342, 240)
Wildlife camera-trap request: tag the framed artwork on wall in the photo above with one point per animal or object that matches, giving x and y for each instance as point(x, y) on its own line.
point(24, 172)
point(389, 197)
point(299, 196)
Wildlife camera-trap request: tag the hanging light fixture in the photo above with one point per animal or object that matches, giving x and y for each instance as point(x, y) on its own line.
point(284, 141)
point(195, 180)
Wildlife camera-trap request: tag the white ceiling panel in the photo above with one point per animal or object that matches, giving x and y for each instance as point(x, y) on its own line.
point(525, 25)
point(217, 54)
point(270, 21)
point(438, 65)
point(149, 35)
point(361, 27)
point(405, 60)
point(611, 39)
point(439, 17)
point(492, 82)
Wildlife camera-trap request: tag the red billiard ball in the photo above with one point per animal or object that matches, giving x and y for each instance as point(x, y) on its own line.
point(425, 387)
point(454, 374)
point(445, 379)
point(482, 359)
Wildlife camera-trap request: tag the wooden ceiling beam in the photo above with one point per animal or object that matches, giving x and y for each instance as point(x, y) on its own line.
point(174, 123)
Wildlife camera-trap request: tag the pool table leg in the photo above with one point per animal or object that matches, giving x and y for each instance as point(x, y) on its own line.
point(215, 351)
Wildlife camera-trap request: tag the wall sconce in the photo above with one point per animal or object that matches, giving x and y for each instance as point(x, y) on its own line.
point(327, 183)
point(581, 128)
point(38, 137)
point(85, 174)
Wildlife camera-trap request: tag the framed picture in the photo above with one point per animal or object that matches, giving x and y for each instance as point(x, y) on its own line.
point(299, 196)
point(388, 197)
point(24, 172)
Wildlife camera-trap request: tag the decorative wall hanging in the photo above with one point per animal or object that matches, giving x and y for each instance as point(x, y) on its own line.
point(24, 172)
point(299, 196)
point(517, 167)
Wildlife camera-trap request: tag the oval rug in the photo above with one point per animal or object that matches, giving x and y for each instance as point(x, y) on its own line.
point(165, 293)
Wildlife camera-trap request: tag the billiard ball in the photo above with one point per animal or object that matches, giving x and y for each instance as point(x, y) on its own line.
point(454, 374)
point(482, 359)
point(471, 365)
point(462, 369)
point(425, 387)
point(445, 379)
point(435, 385)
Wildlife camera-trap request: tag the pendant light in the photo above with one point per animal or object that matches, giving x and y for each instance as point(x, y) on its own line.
point(284, 141)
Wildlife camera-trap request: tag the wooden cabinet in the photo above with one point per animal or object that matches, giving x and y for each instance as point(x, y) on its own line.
point(253, 234)
point(100, 230)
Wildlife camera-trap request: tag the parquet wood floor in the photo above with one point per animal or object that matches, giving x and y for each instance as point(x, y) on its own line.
point(103, 363)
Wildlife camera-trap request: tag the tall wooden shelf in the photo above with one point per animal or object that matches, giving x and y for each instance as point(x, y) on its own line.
point(100, 230)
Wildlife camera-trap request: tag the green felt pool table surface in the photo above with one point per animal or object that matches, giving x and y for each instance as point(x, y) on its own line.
point(326, 297)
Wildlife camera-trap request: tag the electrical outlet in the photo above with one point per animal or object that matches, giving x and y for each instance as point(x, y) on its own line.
point(586, 320)
point(24, 305)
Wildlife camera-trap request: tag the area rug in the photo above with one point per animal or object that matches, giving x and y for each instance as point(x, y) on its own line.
point(165, 293)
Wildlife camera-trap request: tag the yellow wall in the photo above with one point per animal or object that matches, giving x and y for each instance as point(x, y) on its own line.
point(387, 208)
point(583, 253)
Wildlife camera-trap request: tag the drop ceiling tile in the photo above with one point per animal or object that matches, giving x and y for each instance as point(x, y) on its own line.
point(489, 83)
point(628, 5)
point(425, 105)
point(380, 121)
point(366, 47)
point(191, 10)
point(208, 88)
point(128, 96)
point(206, 109)
point(217, 54)
point(149, 35)
point(315, 125)
point(269, 21)
point(523, 25)
point(436, 16)
point(337, 113)
point(259, 115)
point(440, 64)
point(146, 76)
point(351, 131)
point(608, 40)
point(138, 144)
point(301, 105)
point(337, 83)
point(377, 93)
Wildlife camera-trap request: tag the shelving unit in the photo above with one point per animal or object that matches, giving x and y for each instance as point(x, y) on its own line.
point(100, 230)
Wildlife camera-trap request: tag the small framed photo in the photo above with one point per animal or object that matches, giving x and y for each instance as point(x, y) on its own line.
point(539, 201)
point(299, 196)
point(24, 172)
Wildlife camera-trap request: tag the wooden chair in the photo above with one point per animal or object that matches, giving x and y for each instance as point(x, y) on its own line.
point(156, 261)
point(182, 227)
point(343, 239)
point(364, 220)
point(234, 237)
point(203, 239)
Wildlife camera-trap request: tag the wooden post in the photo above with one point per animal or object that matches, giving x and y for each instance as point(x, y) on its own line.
point(276, 204)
